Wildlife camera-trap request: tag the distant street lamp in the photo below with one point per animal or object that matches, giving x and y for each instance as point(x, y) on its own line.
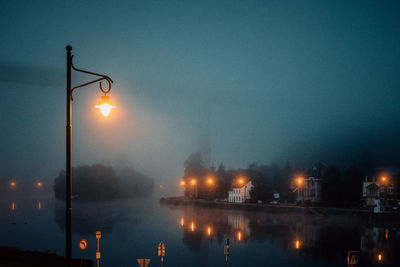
point(384, 182)
point(193, 182)
point(210, 181)
point(300, 186)
point(13, 184)
point(105, 107)
point(182, 183)
point(39, 184)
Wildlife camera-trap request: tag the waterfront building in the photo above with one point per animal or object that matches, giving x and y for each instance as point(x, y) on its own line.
point(309, 191)
point(240, 194)
point(378, 193)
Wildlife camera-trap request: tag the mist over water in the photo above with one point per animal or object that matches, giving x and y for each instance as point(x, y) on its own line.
point(195, 236)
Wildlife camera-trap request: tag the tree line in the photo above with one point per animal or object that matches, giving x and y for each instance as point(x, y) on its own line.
point(340, 187)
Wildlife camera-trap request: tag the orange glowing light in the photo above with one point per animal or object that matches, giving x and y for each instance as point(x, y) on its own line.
point(39, 206)
point(297, 244)
point(192, 226)
point(387, 234)
point(239, 236)
point(182, 183)
point(13, 206)
point(208, 230)
point(379, 257)
point(193, 181)
point(13, 184)
point(39, 184)
point(210, 181)
point(300, 180)
point(105, 106)
point(182, 222)
point(241, 181)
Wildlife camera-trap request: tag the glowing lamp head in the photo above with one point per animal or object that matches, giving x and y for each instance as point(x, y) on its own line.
point(39, 184)
point(182, 183)
point(13, 184)
point(300, 180)
point(105, 105)
point(193, 181)
point(241, 181)
point(210, 181)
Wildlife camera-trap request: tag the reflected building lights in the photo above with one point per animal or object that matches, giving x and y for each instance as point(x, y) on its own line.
point(192, 226)
point(182, 222)
point(13, 206)
point(297, 244)
point(39, 205)
point(239, 236)
point(209, 230)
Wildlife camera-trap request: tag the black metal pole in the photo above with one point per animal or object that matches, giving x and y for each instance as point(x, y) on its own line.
point(68, 169)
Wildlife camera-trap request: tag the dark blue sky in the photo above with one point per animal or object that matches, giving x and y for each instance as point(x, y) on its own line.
point(272, 80)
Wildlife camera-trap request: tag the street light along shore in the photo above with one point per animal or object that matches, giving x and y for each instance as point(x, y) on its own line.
point(105, 107)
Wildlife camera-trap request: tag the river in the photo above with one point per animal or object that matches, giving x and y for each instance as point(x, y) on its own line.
point(196, 236)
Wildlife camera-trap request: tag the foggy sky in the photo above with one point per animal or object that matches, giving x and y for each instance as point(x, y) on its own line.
point(272, 80)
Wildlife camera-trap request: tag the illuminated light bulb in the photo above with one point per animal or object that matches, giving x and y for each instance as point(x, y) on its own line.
point(379, 257)
point(13, 184)
point(297, 244)
point(105, 106)
point(39, 184)
point(239, 236)
point(182, 183)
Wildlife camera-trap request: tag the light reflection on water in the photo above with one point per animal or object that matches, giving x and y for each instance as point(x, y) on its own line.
point(195, 236)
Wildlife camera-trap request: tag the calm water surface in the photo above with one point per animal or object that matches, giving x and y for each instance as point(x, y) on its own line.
point(196, 236)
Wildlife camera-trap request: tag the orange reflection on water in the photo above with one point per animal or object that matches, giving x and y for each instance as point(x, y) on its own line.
point(13, 206)
point(239, 236)
point(39, 205)
point(380, 257)
point(182, 222)
point(297, 244)
point(208, 230)
point(192, 226)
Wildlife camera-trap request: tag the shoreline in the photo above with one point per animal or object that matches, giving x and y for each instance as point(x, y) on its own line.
point(14, 257)
point(393, 217)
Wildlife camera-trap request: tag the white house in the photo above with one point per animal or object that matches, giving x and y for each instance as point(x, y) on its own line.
point(310, 190)
point(240, 194)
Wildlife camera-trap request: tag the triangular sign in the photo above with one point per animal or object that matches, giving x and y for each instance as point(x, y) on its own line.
point(353, 260)
point(143, 262)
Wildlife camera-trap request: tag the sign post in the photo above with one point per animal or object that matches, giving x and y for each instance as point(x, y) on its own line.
point(352, 258)
point(98, 236)
point(82, 246)
point(226, 252)
point(161, 252)
point(143, 262)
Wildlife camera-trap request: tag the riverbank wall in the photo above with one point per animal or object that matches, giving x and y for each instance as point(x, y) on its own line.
point(393, 217)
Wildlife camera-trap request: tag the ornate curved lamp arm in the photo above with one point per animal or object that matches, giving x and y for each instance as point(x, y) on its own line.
point(103, 77)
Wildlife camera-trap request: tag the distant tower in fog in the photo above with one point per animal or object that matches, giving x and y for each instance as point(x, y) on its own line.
point(204, 143)
point(205, 148)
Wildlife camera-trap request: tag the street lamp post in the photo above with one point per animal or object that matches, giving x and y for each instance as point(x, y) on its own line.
point(68, 217)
